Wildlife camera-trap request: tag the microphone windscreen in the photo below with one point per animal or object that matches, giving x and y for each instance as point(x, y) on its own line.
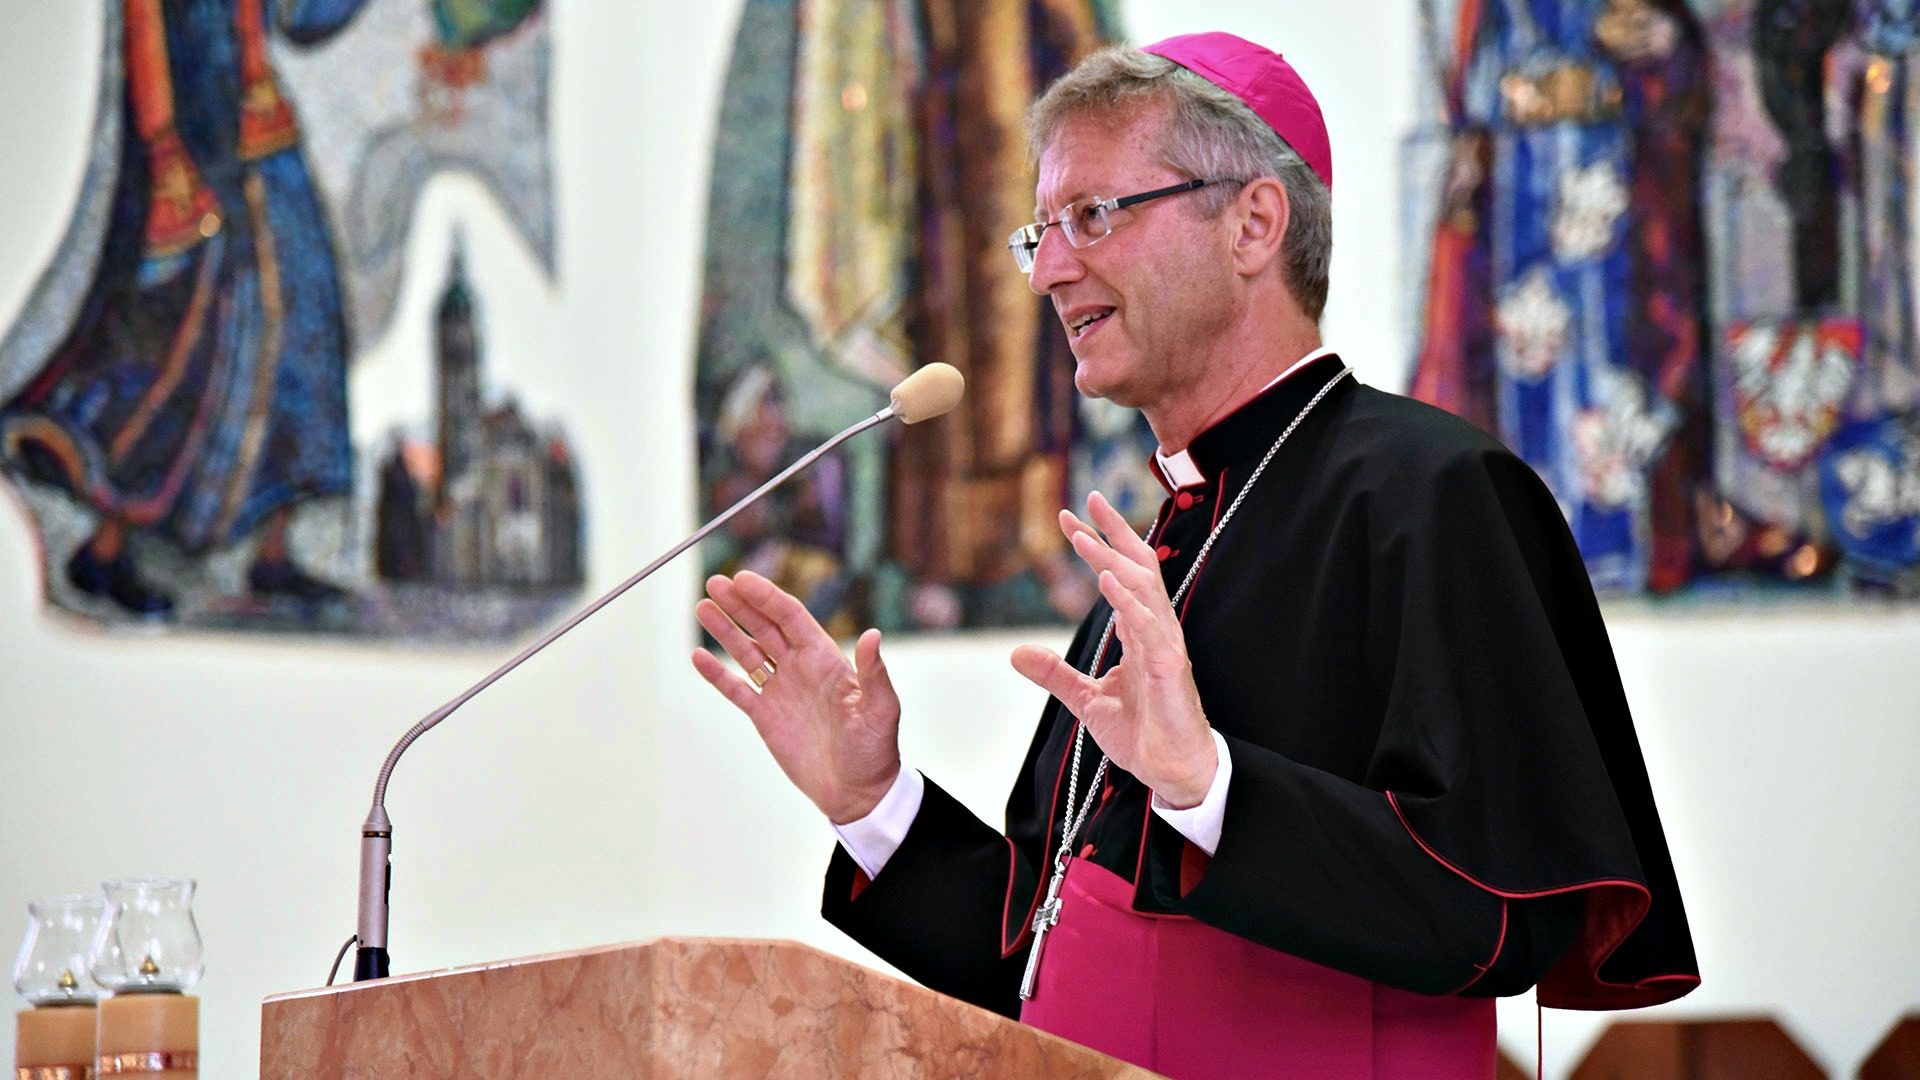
point(928, 392)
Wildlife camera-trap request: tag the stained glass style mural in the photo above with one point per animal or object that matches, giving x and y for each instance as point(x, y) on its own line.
point(1666, 253)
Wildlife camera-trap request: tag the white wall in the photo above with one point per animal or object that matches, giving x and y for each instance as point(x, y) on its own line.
point(553, 812)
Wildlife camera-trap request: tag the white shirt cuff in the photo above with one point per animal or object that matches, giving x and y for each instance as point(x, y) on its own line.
point(873, 839)
point(1201, 824)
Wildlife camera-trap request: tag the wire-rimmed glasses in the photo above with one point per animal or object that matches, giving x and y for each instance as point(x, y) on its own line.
point(1087, 221)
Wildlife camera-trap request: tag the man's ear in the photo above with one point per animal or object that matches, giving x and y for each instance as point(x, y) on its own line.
point(1262, 211)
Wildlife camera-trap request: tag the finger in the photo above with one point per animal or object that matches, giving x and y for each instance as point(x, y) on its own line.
point(1141, 626)
point(1044, 668)
point(795, 624)
point(726, 593)
point(1103, 559)
point(1094, 553)
point(1071, 526)
point(1120, 535)
point(1126, 603)
point(1130, 566)
point(745, 651)
point(731, 686)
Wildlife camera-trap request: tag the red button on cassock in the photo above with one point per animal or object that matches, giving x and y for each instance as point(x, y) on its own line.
point(1164, 552)
point(1184, 500)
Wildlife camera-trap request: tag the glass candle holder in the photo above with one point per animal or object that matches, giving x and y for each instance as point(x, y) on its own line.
point(52, 968)
point(148, 942)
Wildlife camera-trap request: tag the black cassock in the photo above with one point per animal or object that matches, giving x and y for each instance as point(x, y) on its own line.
point(1436, 783)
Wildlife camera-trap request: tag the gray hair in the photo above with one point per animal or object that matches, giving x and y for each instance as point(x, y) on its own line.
point(1209, 134)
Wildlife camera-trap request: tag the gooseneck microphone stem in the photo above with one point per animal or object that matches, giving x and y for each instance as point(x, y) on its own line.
point(376, 833)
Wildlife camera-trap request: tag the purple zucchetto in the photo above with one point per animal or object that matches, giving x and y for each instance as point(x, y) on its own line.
point(1265, 82)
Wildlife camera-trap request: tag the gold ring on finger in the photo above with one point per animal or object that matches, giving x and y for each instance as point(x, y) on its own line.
point(759, 676)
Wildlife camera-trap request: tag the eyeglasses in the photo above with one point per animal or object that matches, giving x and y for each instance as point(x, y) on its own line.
point(1087, 222)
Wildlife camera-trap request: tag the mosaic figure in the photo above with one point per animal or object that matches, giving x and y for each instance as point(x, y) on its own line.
point(1562, 307)
point(893, 127)
point(173, 397)
point(199, 393)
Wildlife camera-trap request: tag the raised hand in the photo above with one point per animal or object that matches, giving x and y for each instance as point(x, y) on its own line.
point(1144, 712)
point(833, 727)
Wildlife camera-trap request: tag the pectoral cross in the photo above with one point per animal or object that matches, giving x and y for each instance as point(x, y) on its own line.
point(1044, 919)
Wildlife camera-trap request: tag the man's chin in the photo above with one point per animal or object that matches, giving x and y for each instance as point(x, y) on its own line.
point(1087, 387)
point(1094, 385)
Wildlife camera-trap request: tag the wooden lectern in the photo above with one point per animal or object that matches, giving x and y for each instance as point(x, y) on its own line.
point(672, 1007)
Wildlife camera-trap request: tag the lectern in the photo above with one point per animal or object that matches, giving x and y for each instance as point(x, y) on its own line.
point(673, 1007)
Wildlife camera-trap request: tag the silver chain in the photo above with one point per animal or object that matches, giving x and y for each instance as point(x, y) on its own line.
point(1071, 822)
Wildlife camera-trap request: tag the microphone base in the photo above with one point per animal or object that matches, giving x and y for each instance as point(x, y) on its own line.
point(369, 964)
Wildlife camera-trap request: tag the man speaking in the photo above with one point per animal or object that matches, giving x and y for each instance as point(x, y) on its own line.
point(1341, 754)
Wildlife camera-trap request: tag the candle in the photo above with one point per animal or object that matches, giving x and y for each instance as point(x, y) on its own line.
point(150, 1035)
point(54, 1042)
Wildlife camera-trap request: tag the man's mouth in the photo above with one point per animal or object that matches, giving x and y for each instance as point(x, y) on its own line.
point(1081, 324)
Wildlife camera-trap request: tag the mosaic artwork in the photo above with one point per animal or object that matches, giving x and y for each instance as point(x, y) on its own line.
point(1665, 254)
point(869, 166)
point(173, 397)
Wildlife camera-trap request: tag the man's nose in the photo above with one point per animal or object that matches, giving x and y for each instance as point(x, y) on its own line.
point(1055, 262)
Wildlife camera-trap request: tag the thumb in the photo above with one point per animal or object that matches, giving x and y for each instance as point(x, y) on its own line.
point(869, 668)
point(1044, 668)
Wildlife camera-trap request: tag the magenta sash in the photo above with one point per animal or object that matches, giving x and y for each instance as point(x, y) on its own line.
point(1187, 1000)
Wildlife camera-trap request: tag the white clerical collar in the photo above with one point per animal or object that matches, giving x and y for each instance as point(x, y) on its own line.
point(1179, 468)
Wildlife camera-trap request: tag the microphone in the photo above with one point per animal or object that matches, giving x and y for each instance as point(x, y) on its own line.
point(931, 391)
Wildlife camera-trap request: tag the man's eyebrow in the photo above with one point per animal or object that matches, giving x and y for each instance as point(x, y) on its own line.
point(1040, 214)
